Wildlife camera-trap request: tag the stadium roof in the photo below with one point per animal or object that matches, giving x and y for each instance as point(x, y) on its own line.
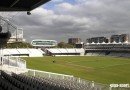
point(20, 5)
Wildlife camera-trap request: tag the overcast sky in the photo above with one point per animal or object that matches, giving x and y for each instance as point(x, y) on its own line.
point(63, 19)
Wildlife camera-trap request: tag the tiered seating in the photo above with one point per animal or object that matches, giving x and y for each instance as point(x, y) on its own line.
point(35, 53)
point(41, 51)
point(116, 54)
point(102, 54)
point(62, 50)
point(11, 51)
point(66, 52)
point(71, 50)
point(54, 50)
point(89, 54)
point(79, 50)
point(95, 53)
point(111, 54)
point(50, 83)
point(38, 84)
point(126, 54)
point(5, 52)
point(5, 85)
point(23, 51)
point(13, 81)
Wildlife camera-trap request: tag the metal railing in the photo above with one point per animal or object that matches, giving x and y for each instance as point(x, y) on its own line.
point(38, 73)
point(13, 61)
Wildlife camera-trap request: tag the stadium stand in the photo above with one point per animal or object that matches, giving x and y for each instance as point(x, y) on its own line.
point(54, 50)
point(88, 54)
point(81, 51)
point(35, 52)
point(95, 53)
point(125, 54)
point(114, 50)
point(24, 52)
point(5, 85)
point(5, 52)
point(102, 54)
point(110, 53)
point(11, 51)
point(12, 81)
point(62, 50)
point(71, 50)
point(117, 54)
point(66, 51)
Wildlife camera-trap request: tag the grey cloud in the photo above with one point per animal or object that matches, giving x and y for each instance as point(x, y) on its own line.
point(86, 18)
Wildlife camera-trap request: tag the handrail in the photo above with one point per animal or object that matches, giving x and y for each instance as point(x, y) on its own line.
point(48, 74)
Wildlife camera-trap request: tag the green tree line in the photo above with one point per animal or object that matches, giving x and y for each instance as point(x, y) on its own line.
point(28, 45)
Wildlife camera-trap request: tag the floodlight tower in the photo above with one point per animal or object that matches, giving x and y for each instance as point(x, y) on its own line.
point(4, 34)
point(3, 37)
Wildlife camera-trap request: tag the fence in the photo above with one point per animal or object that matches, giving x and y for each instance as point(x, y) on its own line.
point(13, 61)
point(48, 74)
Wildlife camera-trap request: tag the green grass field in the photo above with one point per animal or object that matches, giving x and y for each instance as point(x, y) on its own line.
point(99, 69)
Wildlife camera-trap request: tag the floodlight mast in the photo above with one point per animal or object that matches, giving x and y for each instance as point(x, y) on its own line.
point(9, 24)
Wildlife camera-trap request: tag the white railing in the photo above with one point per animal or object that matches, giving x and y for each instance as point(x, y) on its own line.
point(12, 64)
point(100, 86)
point(48, 74)
point(13, 61)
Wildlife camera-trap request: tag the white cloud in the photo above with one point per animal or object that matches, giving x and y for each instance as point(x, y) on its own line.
point(85, 18)
point(57, 1)
point(65, 6)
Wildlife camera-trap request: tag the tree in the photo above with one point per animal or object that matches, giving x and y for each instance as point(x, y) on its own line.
point(69, 46)
point(19, 45)
point(64, 45)
point(61, 45)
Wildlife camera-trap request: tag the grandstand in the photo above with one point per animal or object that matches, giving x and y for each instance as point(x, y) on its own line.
point(65, 52)
point(12, 81)
point(114, 50)
point(24, 52)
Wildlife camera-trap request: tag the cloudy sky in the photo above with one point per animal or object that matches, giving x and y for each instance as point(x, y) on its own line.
point(63, 19)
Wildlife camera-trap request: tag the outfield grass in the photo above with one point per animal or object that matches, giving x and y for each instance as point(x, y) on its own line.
point(100, 69)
